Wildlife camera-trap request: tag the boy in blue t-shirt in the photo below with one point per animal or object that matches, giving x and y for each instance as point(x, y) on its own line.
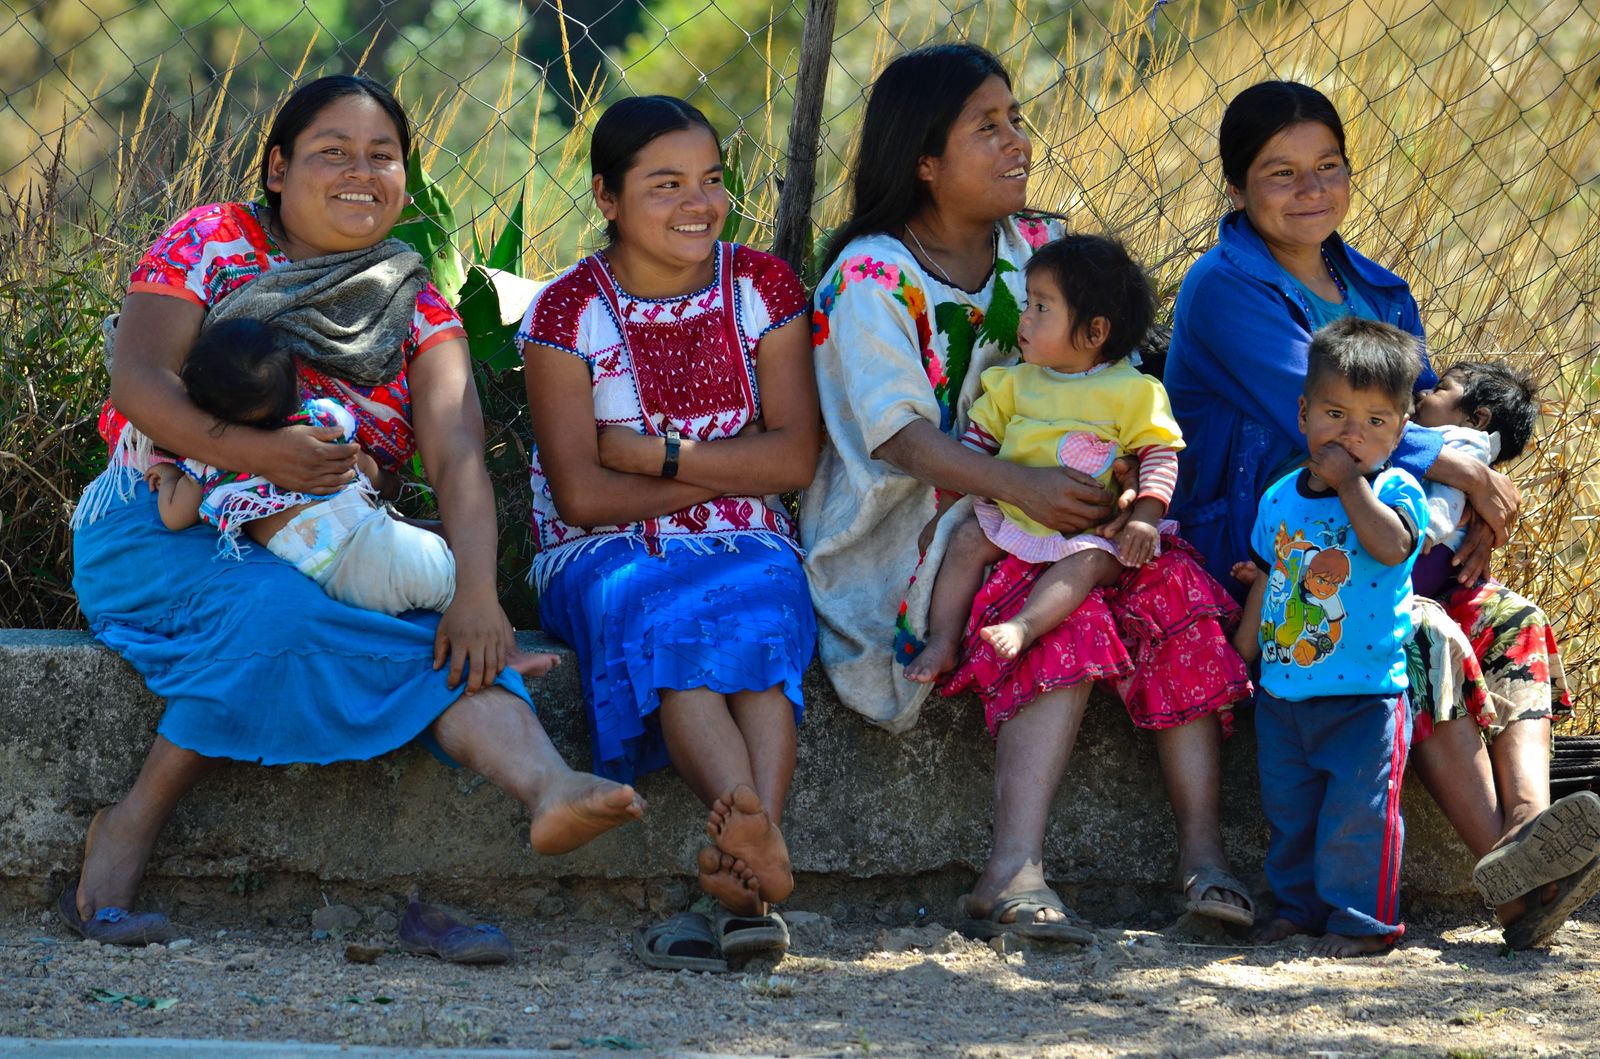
point(1329, 614)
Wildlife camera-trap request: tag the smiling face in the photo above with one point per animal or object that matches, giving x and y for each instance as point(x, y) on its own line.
point(345, 184)
point(1046, 331)
point(987, 155)
point(671, 206)
point(1297, 189)
point(1365, 423)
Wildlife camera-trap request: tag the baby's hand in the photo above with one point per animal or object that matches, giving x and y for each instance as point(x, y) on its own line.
point(158, 473)
point(1245, 573)
point(1136, 542)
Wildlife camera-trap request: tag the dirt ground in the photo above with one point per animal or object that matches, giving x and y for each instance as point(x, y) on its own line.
point(853, 986)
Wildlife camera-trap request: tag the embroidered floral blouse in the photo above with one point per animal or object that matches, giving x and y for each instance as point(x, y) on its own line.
point(894, 345)
point(215, 249)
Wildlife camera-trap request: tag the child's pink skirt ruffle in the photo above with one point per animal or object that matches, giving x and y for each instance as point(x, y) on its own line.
point(1158, 636)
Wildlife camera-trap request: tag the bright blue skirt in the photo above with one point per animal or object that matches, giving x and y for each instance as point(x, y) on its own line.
point(255, 661)
point(728, 617)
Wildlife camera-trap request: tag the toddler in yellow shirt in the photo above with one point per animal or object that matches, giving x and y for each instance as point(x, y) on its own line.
point(1074, 401)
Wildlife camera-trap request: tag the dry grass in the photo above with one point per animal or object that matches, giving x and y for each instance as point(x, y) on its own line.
point(1472, 127)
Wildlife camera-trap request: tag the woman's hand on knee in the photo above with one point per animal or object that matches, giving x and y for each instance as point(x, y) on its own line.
point(477, 639)
point(1061, 498)
point(306, 459)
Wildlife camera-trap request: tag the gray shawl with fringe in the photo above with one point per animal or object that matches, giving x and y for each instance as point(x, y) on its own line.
point(347, 314)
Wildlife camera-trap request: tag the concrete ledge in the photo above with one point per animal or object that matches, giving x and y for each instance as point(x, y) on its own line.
point(75, 722)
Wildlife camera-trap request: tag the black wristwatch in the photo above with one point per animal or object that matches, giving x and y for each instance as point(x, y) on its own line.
point(669, 465)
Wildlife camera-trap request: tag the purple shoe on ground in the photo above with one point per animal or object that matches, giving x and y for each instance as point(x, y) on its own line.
point(431, 931)
point(112, 926)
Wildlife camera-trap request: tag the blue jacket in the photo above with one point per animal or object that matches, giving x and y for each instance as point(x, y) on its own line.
point(1235, 372)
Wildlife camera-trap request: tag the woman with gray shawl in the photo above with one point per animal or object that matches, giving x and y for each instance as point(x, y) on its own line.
point(255, 661)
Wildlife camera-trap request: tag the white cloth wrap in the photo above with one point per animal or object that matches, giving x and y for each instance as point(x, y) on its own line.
point(362, 556)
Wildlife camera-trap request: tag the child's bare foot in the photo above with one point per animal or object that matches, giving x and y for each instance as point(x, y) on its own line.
point(1009, 639)
point(740, 826)
point(730, 882)
point(1341, 946)
point(1275, 930)
point(578, 807)
point(938, 657)
point(533, 663)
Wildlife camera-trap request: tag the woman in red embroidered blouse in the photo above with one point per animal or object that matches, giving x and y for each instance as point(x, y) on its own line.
point(255, 662)
point(669, 378)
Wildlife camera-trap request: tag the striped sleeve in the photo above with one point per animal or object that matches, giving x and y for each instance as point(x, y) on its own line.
point(978, 438)
point(1158, 472)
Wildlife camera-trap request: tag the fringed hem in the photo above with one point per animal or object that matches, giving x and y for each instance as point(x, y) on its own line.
point(552, 561)
point(130, 459)
point(239, 504)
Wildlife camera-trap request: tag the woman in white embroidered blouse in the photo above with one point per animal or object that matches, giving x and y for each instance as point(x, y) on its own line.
point(923, 292)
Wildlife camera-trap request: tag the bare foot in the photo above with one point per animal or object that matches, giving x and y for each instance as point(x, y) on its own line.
point(113, 864)
point(739, 825)
point(1009, 638)
point(938, 657)
point(1275, 930)
point(576, 808)
point(533, 663)
point(1340, 946)
point(730, 882)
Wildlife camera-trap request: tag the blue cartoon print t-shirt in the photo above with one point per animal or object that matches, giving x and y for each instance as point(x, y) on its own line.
point(1334, 620)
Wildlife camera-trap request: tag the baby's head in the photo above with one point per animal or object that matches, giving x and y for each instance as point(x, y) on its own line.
point(1359, 375)
point(241, 371)
point(1088, 303)
point(1486, 396)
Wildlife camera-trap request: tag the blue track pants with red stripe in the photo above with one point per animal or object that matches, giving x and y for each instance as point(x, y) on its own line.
point(1330, 785)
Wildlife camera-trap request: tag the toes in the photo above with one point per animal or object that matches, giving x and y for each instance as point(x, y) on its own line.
point(745, 800)
point(622, 798)
point(709, 860)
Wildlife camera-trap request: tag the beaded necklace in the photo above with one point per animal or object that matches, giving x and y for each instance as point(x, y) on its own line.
point(1333, 273)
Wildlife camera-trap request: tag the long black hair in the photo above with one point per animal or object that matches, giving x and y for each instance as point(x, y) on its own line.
point(302, 108)
point(1262, 111)
point(241, 371)
point(913, 103)
point(626, 127)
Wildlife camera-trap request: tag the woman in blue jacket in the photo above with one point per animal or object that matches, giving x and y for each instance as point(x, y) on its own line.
point(1235, 372)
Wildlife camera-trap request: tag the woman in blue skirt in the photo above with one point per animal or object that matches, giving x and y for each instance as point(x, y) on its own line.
point(670, 382)
point(255, 661)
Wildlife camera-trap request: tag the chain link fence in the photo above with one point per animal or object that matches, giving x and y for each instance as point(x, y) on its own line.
point(1472, 127)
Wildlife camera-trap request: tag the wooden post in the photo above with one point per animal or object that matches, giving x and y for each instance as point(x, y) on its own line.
point(805, 142)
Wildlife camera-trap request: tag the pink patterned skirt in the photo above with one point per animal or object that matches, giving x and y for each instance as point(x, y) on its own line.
point(1159, 637)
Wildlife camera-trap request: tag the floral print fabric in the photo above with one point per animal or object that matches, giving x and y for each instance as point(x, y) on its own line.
point(215, 249)
point(894, 346)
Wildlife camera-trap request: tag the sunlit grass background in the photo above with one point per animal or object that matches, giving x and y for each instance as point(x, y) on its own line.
point(1472, 125)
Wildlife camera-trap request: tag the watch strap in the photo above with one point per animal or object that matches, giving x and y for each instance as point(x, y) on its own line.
point(669, 464)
